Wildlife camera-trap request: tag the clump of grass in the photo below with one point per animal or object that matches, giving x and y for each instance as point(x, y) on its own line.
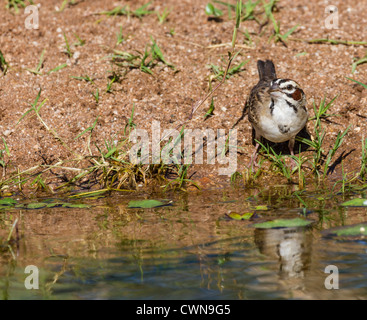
point(321, 162)
point(3, 64)
point(277, 161)
point(144, 61)
point(110, 168)
point(126, 11)
point(16, 4)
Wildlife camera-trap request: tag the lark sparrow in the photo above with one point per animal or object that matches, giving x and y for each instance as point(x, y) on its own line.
point(276, 108)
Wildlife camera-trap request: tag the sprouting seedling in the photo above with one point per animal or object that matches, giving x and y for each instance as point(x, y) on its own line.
point(219, 71)
point(40, 64)
point(3, 64)
point(358, 62)
point(157, 54)
point(85, 78)
point(16, 4)
point(126, 11)
point(67, 46)
point(143, 61)
point(269, 7)
point(210, 10)
point(163, 16)
point(34, 106)
point(120, 37)
point(130, 123)
point(209, 113)
point(89, 129)
point(248, 9)
point(62, 66)
point(113, 79)
point(80, 41)
point(96, 96)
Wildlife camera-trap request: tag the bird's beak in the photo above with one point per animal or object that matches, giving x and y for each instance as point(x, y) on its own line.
point(274, 87)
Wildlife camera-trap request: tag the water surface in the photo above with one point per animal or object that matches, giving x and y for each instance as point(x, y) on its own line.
point(189, 250)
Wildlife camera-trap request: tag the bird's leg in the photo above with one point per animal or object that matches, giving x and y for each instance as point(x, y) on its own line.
point(254, 155)
point(291, 149)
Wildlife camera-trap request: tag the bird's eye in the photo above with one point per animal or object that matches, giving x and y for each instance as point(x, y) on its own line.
point(289, 87)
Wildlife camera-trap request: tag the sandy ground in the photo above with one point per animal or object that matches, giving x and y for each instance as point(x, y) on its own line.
point(167, 96)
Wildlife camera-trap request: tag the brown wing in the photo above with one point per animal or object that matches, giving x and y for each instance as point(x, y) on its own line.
point(256, 101)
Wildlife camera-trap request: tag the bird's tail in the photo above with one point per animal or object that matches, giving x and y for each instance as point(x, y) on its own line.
point(266, 70)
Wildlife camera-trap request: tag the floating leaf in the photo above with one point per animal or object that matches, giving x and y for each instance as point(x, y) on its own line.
point(5, 207)
point(35, 205)
point(147, 204)
point(75, 205)
point(355, 230)
point(282, 223)
point(54, 204)
point(355, 203)
point(260, 208)
point(7, 202)
point(237, 216)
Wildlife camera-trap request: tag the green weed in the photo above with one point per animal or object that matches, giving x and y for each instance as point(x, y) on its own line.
point(162, 17)
point(3, 64)
point(84, 78)
point(67, 46)
point(96, 96)
point(219, 72)
point(120, 37)
point(144, 61)
point(269, 7)
point(16, 4)
point(126, 11)
point(210, 10)
point(40, 64)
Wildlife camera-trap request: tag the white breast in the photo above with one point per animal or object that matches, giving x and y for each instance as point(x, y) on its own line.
point(282, 123)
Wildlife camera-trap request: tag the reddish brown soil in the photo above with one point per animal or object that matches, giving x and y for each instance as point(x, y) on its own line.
point(167, 96)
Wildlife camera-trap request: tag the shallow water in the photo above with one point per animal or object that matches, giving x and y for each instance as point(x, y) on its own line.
point(189, 250)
